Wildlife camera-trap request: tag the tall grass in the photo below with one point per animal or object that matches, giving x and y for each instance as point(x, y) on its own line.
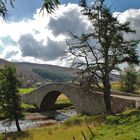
point(125, 126)
point(57, 132)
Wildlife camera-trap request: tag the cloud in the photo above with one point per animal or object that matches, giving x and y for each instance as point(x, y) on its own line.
point(70, 20)
point(7, 40)
point(132, 16)
point(11, 52)
point(29, 46)
point(42, 38)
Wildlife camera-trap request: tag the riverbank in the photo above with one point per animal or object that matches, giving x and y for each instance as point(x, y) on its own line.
point(63, 109)
point(37, 119)
point(125, 126)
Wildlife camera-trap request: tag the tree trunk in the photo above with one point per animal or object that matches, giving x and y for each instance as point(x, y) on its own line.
point(17, 125)
point(106, 91)
point(107, 101)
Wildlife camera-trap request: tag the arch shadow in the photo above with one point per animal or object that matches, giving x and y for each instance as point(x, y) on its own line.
point(49, 101)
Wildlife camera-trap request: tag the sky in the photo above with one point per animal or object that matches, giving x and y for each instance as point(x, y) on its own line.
point(30, 36)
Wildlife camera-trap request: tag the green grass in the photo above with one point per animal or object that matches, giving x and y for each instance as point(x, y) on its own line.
point(138, 91)
point(79, 119)
point(24, 106)
point(57, 132)
point(1, 116)
point(25, 90)
point(125, 126)
point(63, 102)
point(121, 127)
point(117, 86)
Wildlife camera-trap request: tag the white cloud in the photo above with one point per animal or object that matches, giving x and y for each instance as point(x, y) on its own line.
point(31, 47)
point(132, 16)
point(69, 20)
point(1, 44)
point(42, 38)
point(11, 52)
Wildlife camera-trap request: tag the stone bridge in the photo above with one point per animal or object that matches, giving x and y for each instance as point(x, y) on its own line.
point(84, 102)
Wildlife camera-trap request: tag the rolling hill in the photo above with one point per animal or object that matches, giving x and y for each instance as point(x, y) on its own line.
point(31, 73)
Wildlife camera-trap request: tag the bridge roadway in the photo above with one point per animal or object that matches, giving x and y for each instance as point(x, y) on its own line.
point(84, 102)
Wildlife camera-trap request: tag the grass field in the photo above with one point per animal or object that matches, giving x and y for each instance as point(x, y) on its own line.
point(50, 133)
point(25, 90)
point(62, 99)
point(125, 126)
point(117, 86)
point(122, 127)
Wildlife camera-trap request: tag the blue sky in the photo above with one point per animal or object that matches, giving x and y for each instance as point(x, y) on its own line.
point(122, 5)
point(26, 8)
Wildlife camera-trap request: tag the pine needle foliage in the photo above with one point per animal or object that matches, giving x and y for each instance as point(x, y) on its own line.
point(10, 104)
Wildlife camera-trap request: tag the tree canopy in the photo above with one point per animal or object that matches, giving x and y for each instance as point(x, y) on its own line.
point(3, 7)
point(10, 104)
point(130, 79)
point(100, 51)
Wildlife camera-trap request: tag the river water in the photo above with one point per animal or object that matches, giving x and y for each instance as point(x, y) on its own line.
point(60, 116)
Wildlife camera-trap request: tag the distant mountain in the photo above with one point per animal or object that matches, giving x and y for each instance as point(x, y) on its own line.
point(2, 61)
point(25, 73)
point(31, 74)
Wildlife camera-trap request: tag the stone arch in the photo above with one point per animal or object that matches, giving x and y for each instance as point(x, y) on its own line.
point(48, 102)
point(84, 102)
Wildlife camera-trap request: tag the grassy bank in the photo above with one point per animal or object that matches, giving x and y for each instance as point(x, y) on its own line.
point(125, 126)
point(68, 130)
point(25, 90)
point(117, 86)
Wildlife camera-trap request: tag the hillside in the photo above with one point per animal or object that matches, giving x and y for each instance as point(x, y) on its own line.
point(31, 73)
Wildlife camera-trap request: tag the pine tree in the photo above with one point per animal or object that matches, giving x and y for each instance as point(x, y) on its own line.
point(102, 49)
point(9, 97)
point(83, 3)
point(130, 79)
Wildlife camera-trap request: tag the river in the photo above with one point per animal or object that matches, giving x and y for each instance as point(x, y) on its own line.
point(43, 118)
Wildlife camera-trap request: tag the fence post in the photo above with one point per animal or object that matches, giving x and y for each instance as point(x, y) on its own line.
point(5, 135)
point(83, 135)
point(74, 138)
point(90, 130)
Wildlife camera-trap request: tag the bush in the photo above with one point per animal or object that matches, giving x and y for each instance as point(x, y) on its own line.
point(79, 119)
